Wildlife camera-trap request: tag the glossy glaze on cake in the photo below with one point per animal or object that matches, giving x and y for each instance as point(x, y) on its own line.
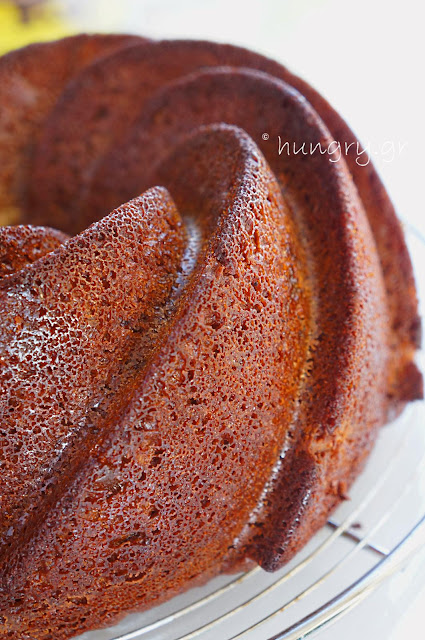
point(191, 384)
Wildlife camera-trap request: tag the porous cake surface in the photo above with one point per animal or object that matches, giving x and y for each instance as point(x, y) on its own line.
point(190, 383)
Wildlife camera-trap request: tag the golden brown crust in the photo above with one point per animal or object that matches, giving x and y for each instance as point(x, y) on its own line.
point(31, 79)
point(189, 459)
point(69, 341)
point(129, 79)
point(23, 245)
point(245, 383)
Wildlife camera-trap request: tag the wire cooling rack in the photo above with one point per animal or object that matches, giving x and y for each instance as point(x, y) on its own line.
point(371, 536)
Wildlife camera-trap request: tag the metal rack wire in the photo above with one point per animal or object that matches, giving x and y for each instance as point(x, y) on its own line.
point(369, 537)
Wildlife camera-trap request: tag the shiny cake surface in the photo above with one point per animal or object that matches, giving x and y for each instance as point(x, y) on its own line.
point(190, 383)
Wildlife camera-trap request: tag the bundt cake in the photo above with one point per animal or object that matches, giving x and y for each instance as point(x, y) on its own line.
point(190, 383)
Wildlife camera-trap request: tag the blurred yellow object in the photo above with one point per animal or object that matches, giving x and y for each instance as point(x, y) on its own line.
point(44, 23)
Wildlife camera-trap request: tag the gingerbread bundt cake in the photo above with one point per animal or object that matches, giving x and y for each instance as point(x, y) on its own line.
point(190, 383)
